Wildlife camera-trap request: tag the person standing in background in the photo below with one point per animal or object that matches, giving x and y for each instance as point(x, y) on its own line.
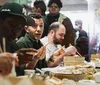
point(79, 30)
point(54, 7)
point(82, 43)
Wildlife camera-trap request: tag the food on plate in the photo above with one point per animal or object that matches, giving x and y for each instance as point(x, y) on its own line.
point(53, 81)
point(77, 71)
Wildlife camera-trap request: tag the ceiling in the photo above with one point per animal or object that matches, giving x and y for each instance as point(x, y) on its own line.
point(68, 5)
point(71, 5)
point(72, 2)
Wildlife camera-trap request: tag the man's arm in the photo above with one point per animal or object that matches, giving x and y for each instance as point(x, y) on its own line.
point(53, 63)
point(59, 58)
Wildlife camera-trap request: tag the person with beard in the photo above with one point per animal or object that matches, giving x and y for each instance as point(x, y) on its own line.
point(52, 41)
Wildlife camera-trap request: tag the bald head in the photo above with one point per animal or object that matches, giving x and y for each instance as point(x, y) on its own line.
point(57, 32)
point(56, 26)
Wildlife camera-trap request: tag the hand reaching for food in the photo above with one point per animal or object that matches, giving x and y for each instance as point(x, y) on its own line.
point(42, 52)
point(71, 50)
point(59, 52)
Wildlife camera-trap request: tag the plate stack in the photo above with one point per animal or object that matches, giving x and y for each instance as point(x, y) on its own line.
point(95, 56)
point(96, 59)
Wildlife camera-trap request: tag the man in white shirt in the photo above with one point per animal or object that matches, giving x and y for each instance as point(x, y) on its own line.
point(52, 42)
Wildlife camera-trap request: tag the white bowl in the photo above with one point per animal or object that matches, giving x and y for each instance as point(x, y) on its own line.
point(29, 72)
point(97, 77)
point(86, 82)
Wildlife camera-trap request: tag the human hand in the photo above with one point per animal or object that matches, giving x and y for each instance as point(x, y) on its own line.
point(59, 52)
point(42, 52)
point(70, 50)
point(6, 63)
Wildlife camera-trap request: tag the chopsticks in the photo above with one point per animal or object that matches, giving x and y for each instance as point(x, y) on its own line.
point(4, 45)
point(76, 51)
point(1, 51)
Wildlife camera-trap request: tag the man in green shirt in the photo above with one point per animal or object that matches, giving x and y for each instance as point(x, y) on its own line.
point(32, 37)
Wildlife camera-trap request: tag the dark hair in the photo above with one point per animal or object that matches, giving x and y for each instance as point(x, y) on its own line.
point(83, 33)
point(35, 15)
point(4, 15)
point(58, 2)
point(41, 5)
point(54, 26)
point(27, 7)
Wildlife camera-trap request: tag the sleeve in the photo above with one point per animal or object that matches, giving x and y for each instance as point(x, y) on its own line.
point(21, 45)
point(48, 54)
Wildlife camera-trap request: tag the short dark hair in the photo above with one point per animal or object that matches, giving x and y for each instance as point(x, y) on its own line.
point(35, 15)
point(58, 2)
point(41, 5)
point(54, 26)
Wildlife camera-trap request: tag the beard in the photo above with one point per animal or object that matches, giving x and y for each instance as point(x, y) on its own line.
point(56, 41)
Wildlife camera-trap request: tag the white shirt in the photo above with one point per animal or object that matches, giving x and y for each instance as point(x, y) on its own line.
point(50, 48)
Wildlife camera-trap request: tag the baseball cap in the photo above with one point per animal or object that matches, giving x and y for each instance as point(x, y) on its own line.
point(16, 9)
point(30, 21)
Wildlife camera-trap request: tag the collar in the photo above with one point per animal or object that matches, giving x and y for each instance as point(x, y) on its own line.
point(31, 38)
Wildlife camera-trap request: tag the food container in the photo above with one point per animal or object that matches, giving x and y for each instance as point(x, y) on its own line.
point(97, 77)
point(86, 82)
point(75, 77)
point(29, 72)
point(72, 60)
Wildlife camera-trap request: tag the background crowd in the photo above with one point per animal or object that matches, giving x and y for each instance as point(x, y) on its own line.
point(37, 38)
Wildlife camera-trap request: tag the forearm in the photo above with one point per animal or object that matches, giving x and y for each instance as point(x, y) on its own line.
point(56, 62)
point(32, 64)
point(66, 53)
